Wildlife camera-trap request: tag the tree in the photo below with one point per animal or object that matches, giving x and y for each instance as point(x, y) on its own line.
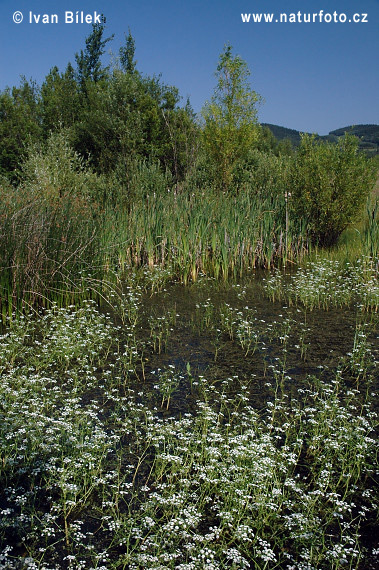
point(128, 116)
point(20, 124)
point(329, 184)
point(230, 117)
point(89, 61)
point(128, 64)
point(61, 100)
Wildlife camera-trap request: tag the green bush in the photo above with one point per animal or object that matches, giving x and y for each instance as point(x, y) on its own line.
point(262, 173)
point(147, 179)
point(329, 185)
point(55, 170)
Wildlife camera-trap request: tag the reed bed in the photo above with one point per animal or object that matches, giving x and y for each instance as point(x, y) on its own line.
point(49, 252)
point(220, 236)
point(65, 249)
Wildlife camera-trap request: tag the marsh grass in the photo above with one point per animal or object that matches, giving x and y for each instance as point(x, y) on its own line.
point(64, 248)
point(370, 236)
point(49, 252)
point(220, 235)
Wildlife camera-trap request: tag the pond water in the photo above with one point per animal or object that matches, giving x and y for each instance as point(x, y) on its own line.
point(220, 331)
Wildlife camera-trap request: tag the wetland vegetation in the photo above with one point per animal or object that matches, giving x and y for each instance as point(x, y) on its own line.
point(203, 426)
point(189, 331)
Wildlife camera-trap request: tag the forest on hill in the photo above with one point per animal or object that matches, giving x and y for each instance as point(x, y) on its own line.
point(368, 136)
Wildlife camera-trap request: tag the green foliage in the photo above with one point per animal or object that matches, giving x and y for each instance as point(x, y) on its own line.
point(267, 141)
point(128, 64)
point(145, 179)
point(270, 143)
point(369, 132)
point(48, 249)
point(182, 143)
point(54, 170)
point(230, 117)
point(328, 186)
point(262, 174)
point(370, 237)
point(19, 124)
point(284, 147)
point(368, 136)
point(130, 116)
point(88, 62)
point(61, 100)
point(281, 133)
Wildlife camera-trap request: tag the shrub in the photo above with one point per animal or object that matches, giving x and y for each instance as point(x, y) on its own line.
point(54, 170)
point(329, 184)
point(261, 173)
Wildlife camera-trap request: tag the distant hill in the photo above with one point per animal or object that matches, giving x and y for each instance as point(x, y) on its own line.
point(281, 133)
point(368, 135)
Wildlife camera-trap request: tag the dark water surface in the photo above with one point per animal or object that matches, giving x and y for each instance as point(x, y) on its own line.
point(291, 344)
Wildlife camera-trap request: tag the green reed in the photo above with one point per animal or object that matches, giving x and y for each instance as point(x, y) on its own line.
point(59, 250)
point(49, 252)
point(219, 235)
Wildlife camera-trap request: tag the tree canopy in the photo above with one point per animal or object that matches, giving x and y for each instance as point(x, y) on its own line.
point(230, 117)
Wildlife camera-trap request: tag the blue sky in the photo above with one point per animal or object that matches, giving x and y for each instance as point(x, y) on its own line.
point(314, 77)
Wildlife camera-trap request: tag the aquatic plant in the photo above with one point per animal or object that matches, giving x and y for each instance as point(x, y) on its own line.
point(328, 283)
point(95, 474)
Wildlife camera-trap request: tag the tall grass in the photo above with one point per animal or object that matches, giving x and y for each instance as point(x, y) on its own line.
point(370, 237)
point(49, 251)
point(220, 235)
point(58, 249)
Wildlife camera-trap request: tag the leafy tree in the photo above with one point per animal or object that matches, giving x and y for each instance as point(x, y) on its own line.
point(328, 186)
point(128, 64)
point(110, 125)
point(20, 123)
point(111, 119)
point(267, 142)
point(284, 147)
point(129, 116)
point(88, 62)
point(230, 117)
point(60, 99)
point(182, 146)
